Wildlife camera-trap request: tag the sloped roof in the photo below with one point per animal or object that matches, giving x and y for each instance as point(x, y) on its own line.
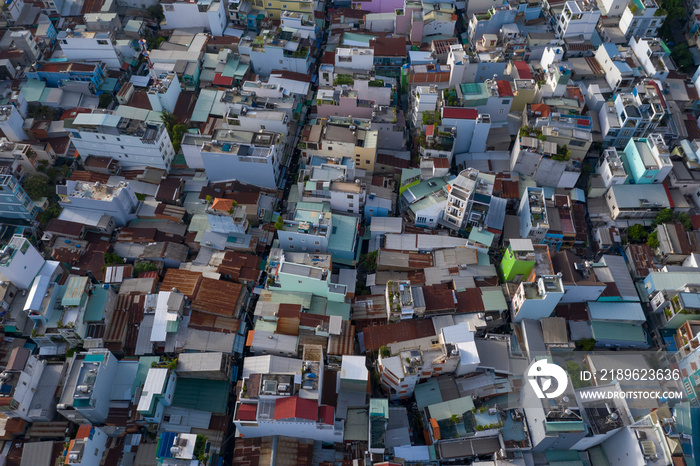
point(295, 407)
point(460, 113)
point(217, 297)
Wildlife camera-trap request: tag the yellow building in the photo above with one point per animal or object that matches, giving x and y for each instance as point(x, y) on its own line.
point(275, 8)
point(366, 150)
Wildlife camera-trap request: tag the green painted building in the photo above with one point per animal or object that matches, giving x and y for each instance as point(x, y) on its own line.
point(518, 260)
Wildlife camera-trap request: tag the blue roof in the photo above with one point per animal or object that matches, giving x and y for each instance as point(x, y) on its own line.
point(618, 311)
point(496, 215)
point(622, 66)
point(691, 300)
point(427, 393)
point(483, 237)
point(616, 331)
point(611, 49)
point(343, 233)
point(164, 444)
point(97, 304)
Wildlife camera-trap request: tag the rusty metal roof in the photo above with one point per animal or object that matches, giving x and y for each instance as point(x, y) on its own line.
point(186, 281)
point(217, 297)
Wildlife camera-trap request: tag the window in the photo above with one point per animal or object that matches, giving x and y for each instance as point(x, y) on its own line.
point(291, 247)
point(501, 111)
point(65, 42)
point(505, 101)
point(330, 148)
point(349, 196)
point(316, 243)
point(351, 204)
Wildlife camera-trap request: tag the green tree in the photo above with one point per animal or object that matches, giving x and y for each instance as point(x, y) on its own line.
point(36, 187)
point(178, 133)
point(156, 13)
point(51, 212)
point(112, 258)
point(585, 344)
point(105, 100)
point(431, 118)
point(200, 446)
point(369, 261)
point(145, 266)
point(684, 219)
point(637, 234)
point(279, 224)
point(653, 240)
point(683, 57)
point(664, 216)
point(168, 118)
point(385, 351)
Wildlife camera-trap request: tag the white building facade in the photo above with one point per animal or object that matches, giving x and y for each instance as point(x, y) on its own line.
point(134, 143)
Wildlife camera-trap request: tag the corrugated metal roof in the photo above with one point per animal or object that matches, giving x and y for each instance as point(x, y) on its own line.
point(493, 299)
point(618, 331)
point(616, 311)
point(96, 119)
point(154, 385)
point(202, 394)
point(74, 291)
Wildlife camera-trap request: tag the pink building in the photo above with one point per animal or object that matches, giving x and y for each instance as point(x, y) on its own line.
point(332, 102)
point(378, 6)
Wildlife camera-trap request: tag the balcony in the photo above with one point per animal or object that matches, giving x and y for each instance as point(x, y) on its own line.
point(677, 307)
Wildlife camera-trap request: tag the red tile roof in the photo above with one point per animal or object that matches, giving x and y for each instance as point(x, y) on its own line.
point(223, 205)
point(523, 69)
point(74, 112)
point(429, 130)
point(326, 414)
point(389, 47)
point(295, 407)
point(377, 336)
point(220, 80)
point(247, 412)
point(504, 89)
point(460, 113)
point(439, 162)
point(542, 109)
point(83, 431)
